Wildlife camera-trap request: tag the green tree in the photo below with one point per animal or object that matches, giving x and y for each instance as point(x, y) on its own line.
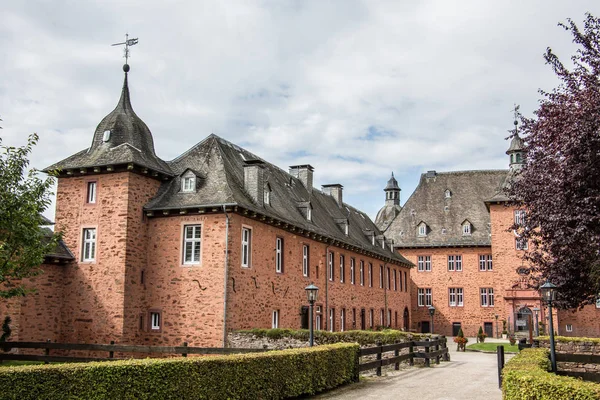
point(23, 198)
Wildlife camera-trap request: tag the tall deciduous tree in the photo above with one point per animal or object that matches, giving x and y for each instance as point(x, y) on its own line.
point(559, 185)
point(23, 198)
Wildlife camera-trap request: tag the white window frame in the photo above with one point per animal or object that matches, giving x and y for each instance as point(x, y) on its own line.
point(447, 194)
point(395, 280)
point(519, 217)
point(380, 276)
point(330, 267)
point(422, 230)
point(318, 314)
point(305, 260)
point(309, 213)
point(267, 196)
point(89, 247)
point(371, 318)
point(155, 320)
point(275, 319)
point(389, 317)
point(598, 303)
point(428, 297)
point(381, 317)
point(246, 247)
point(92, 187)
point(486, 297)
point(521, 244)
point(331, 319)
point(485, 262)
point(466, 229)
point(421, 297)
point(424, 263)
point(362, 273)
point(370, 274)
point(458, 262)
point(279, 255)
point(451, 263)
point(194, 242)
point(569, 328)
point(342, 320)
point(352, 270)
point(188, 183)
point(342, 269)
point(455, 297)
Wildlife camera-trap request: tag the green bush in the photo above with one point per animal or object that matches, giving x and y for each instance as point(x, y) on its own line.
point(568, 339)
point(526, 376)
point(270, 375)
point(386, 336)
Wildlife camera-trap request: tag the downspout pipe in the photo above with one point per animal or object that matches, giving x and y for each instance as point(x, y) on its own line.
point(226, 277)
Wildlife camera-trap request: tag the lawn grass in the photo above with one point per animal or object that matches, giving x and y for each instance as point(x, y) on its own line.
point(492, 347)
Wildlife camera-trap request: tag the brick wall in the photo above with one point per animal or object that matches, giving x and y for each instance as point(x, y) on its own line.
point(583, 323)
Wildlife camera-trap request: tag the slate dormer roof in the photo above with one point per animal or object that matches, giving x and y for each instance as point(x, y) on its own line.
point(129, 141)
point(392, 184)
point(220, 164)
point(445, 216)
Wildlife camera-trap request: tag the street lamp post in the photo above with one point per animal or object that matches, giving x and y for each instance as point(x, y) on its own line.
point(312, 293)
point(431, 313)
point(548, 291)
point(537, 326)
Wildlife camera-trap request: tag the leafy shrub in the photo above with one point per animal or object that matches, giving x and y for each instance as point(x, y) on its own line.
point(481, 335)
point(386, 336)
point(269, 375)
point(526, 376)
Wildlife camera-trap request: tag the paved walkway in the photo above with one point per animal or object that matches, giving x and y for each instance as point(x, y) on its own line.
point(470, 375)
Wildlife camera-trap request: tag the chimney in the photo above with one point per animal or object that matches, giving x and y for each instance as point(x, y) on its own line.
point(254, 180)
point(304, 173)
point(335, 190)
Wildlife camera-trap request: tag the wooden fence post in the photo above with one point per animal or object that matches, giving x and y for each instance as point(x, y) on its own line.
point(396, 354)
point(437, 351)
point(411, 351)
point(47, 351)
point(111, 354)
point(445, 348)
point(184, 345)
point(427, 346)
point(379, 353)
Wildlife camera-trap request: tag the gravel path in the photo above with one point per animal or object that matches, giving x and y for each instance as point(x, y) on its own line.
point(470, 375)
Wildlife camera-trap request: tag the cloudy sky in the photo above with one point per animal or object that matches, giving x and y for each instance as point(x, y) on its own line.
point(358, 89)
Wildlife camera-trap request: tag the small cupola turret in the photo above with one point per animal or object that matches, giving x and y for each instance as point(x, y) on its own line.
point(516, 150)
point(392, 192)
point(392, 208)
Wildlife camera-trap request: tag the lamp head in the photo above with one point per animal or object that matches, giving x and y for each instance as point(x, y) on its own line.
point(312, 293)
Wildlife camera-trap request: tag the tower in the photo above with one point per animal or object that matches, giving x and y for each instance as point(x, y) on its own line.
point(99, 208)
point(392, 208)
point(516, 150)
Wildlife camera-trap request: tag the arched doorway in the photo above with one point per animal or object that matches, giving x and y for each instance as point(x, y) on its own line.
point(523, 319)
point(405, 319)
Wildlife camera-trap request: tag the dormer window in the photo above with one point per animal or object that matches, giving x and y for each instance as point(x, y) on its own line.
point(106, 136)
point(309, 213)
point(466, 228)
point(267, 194)
point(422, 229)
point(447, 194)
point(188, 182)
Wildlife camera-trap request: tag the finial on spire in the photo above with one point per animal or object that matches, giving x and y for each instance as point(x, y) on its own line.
point(515, 111)
point(128, 42)
point(392, 174)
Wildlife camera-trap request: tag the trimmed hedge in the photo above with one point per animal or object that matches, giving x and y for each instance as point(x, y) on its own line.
point(386, 336)
point(568, 339)
point(270, 375)
point(526, 376)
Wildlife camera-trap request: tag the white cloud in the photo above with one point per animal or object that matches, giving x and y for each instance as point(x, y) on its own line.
point(356, 88)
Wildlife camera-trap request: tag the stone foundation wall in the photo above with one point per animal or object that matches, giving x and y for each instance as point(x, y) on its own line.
point(576, 346)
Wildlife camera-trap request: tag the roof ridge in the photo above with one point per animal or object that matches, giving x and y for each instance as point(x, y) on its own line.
point(467, 171)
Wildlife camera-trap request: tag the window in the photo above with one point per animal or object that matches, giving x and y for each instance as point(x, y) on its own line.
point(370, 275)
point(400, 281)
point(466, 229)
point(91, 193)
point(520, 216)
point(422, 230)
point(389, 318)
point(455, 263)
point(381, 321)
point(598, 303)
point(267, 195)
point(447, 194)
point(424, 263)
point(331, 319)
point(371, 318)
point(521, 244)
point(455, 296)
point(381, 277)
point(569, 328)
point(155, 321)
point(318, 313)
point(309, 213)
point(450, 263)
point(279, 255)
point(191, 244)
point(188, 182)
point(395, 280)
point(485, 262)
point(246, 247)
point(275, 320)
point(405, 282)
point(305, 260)
point(362, 273)
point(330, 266)
point(342, 269)
point(343, 320)
point(424, 297)
point(88, 252)
point(487, 297)
point(352, 262)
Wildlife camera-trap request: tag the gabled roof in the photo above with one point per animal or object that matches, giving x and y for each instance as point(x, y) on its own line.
point(129, 142)
point(61, 252)
point(221, 166)
point(428, 204)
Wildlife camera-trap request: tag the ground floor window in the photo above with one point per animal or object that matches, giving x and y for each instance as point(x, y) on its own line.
point(275, 319)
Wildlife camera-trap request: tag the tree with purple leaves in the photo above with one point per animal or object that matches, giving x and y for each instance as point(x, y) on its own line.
point(559, 184)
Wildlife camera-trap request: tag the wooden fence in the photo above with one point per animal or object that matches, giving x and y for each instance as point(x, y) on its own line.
point(432, 350)
point(108, 348)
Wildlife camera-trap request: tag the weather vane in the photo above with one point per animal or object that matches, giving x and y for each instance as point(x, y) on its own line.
point(515, 110)
point(128, 42)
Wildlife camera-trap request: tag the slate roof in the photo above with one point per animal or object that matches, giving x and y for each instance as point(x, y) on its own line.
point(516, 144)
point(444, 216)
point(61, 251)
point(130, 142)
point(220, 166)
